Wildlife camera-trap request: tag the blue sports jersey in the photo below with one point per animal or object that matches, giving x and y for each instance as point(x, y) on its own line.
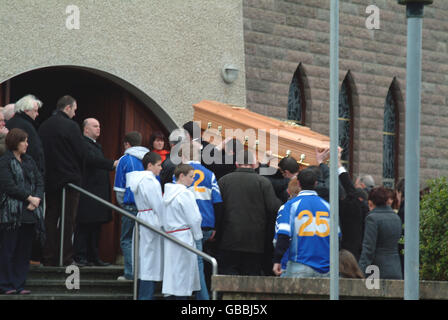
point(206, 191)
point(127, 164)
point(306, 220)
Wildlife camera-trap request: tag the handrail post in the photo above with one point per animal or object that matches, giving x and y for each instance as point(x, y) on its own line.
point(136, 258)
point(214, 273)
point(62, 227)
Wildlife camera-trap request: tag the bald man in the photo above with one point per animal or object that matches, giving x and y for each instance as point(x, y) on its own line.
point(91, 215)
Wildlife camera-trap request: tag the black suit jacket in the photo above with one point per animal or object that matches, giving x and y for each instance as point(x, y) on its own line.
point(95, 180)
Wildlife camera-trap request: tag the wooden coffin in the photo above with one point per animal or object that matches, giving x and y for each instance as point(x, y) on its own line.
point(258, 132)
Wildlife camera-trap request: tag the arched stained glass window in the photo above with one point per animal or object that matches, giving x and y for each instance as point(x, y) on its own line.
point(346, 123)
point(296, 97)
point(390, 138)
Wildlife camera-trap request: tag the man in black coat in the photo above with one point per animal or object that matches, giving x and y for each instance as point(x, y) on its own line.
point(350, 211)
point(64, 162)
point(26, 112)
point(351, 216)
point(91, 214)
point(250, 210)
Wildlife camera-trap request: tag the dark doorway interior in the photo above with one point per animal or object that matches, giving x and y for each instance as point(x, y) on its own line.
point(117, 110)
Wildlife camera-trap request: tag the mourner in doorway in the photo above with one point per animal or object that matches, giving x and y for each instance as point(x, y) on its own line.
point(91, 214)
point(64, 153)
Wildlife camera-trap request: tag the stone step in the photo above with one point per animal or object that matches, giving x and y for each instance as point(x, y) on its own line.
point(86, 273)
point(95, 283)
point(67, 296)
point(45, 286)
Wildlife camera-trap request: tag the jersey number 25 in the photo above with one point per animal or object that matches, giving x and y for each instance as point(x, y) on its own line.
point(313, 224)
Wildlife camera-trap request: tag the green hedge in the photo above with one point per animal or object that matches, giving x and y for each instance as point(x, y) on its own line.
point(434, 231)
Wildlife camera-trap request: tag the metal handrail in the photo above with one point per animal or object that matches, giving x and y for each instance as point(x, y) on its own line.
point(136, 236)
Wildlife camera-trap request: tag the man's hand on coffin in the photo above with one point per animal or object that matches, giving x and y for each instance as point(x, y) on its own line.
point(322, 154)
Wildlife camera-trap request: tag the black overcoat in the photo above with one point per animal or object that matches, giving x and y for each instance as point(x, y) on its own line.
point(250, 210)
point(350, 217)
point(35, 149)
point(95, 180)
point(64, 151)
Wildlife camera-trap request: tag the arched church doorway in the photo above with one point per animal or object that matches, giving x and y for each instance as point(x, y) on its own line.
point(118, 107)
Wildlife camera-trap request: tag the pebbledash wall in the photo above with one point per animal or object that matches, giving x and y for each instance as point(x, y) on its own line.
point(171, 52)
point(280, 35)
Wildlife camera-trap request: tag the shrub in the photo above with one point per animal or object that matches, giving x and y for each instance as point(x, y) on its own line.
point(434, 231)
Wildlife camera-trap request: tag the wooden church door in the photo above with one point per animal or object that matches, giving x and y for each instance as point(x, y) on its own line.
point(117, 110)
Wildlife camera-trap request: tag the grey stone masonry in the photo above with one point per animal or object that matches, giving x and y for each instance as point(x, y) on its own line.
point(281, 34)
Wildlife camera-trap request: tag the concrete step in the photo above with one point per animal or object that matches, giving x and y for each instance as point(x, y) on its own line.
point(67, 296)
point(86, 273)
point(85, 286)
point(95, 283)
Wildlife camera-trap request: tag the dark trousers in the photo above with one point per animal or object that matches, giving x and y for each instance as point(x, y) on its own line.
point(240, 263)
point(15, 253)
point(85, 242)
point(36, 252)
point(52, 216)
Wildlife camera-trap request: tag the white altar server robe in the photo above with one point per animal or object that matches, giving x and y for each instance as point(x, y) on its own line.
point(148, 199)
point(182, 220)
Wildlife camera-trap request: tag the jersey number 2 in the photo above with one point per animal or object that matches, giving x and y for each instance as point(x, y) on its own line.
point(197, 182)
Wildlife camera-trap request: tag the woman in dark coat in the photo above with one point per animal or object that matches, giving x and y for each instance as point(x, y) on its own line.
point(381, 236)
point(21, 216)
